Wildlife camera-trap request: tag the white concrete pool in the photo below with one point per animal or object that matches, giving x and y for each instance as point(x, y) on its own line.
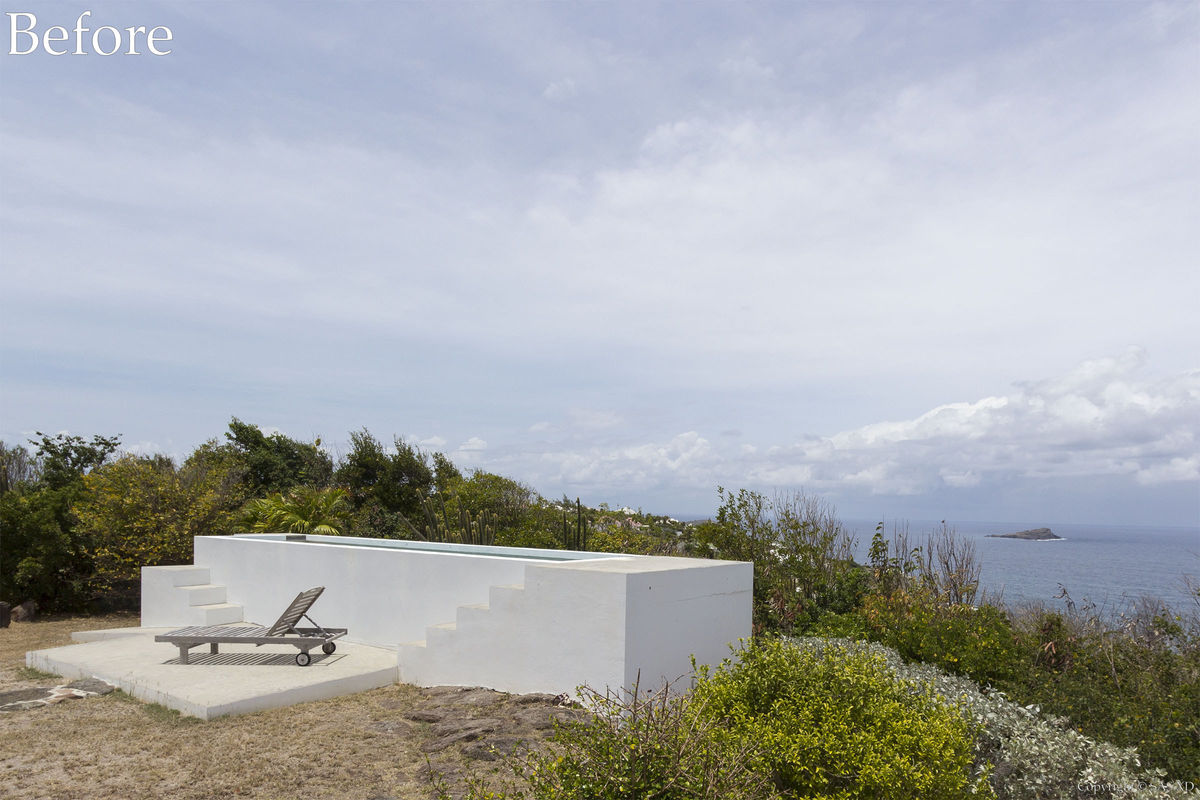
point(512, 619)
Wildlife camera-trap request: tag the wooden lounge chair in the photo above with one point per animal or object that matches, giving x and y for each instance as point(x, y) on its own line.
point(284, 631)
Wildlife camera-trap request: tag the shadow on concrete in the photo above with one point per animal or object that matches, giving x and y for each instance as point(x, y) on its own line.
point(254, 660)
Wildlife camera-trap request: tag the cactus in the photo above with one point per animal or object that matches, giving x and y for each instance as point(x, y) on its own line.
point(467, 529)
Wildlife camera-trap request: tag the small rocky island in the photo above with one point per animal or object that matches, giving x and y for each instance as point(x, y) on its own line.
point(1034, 535)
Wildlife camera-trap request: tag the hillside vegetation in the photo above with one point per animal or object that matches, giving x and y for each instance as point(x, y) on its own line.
point(885, 679)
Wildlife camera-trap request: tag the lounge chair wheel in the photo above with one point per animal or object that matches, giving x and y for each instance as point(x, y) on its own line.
point(303, 659)
point(328, 648)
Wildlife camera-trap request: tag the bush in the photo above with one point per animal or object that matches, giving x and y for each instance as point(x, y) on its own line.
point(634, 747)
point(836, 722)
point(977, 642)
point(1132, 679)
point(1033, 756)
point(43, 557)
point(143, 511)
point(801, 554)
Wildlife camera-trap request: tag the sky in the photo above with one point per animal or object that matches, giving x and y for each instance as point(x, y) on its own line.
point(923, 259)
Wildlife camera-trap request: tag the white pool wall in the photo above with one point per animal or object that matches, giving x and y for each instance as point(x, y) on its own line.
point(477, 616)
point(383, 596)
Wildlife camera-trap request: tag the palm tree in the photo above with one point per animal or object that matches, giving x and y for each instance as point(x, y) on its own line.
point(302, 510)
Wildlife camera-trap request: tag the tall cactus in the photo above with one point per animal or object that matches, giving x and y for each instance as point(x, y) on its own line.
point(577, 539)
point(467, 529)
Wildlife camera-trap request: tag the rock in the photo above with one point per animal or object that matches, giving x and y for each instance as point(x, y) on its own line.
point(493, 748)
point(91, 686)
point(529, 699)
point(425, 716)
point(484, 725)
point(26, 612)
point(21, 695)
point(1033, 535)
point(544, 718)
point(464, 697)
point(457, 732)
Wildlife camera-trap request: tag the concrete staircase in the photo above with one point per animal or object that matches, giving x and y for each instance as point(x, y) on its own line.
point(455, 650)
point(179, 596)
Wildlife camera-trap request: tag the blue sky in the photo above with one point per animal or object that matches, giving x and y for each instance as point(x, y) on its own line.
point(923, 259)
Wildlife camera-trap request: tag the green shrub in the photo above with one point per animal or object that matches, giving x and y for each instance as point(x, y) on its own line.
point(801, 554)
point(840, 626)
point(1033, 756)
point(1131, 680)
point(43, 557)
point(835, 722)
point(975, 641)
point(634, 747)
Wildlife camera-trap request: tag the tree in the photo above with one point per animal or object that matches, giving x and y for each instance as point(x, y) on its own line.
point(43, 556)
point(276, 463)
point(446, 475)
point(64, 459)
point(18, 467)
point(382, 484)
point(143, 511)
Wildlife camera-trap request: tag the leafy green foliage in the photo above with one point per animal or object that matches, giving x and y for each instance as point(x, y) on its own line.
point(1133, 680)
point(836, 722)
point(801, 555)
point(966, 640)
point(636, 747)
point(1033, 756)
point(382, 485)
point(302, 510)
point(41, 556)
point(18, 468)
point(276, 463)
point(64, 459)
point(143, 511)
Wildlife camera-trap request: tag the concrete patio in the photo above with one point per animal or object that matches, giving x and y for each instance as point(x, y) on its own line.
point(239, 680)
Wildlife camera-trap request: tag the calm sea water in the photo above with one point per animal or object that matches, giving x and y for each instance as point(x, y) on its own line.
point(1106, 565)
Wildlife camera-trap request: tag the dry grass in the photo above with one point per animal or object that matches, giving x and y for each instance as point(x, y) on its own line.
point(116, 747)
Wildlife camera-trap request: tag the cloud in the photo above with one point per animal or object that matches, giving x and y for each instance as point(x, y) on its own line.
point(472, 445)
point(1101, 419)
point(560, 90)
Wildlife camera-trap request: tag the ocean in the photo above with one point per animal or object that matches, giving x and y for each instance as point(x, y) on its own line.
point(1107, 565)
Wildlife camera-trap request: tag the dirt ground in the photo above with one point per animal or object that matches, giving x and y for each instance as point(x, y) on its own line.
point(373, 745)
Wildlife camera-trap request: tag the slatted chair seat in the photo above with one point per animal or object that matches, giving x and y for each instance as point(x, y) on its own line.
point(284, 631)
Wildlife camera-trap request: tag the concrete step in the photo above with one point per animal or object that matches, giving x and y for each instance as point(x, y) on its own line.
point(505, 598)
point(204, 594)
point(219, 613)
point(472, 614)
point(180, 574)
point(437, 634)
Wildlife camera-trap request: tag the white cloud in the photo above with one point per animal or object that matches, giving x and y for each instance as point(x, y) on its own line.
point(560, 90)
point(1098, 420)
point(474, 444)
